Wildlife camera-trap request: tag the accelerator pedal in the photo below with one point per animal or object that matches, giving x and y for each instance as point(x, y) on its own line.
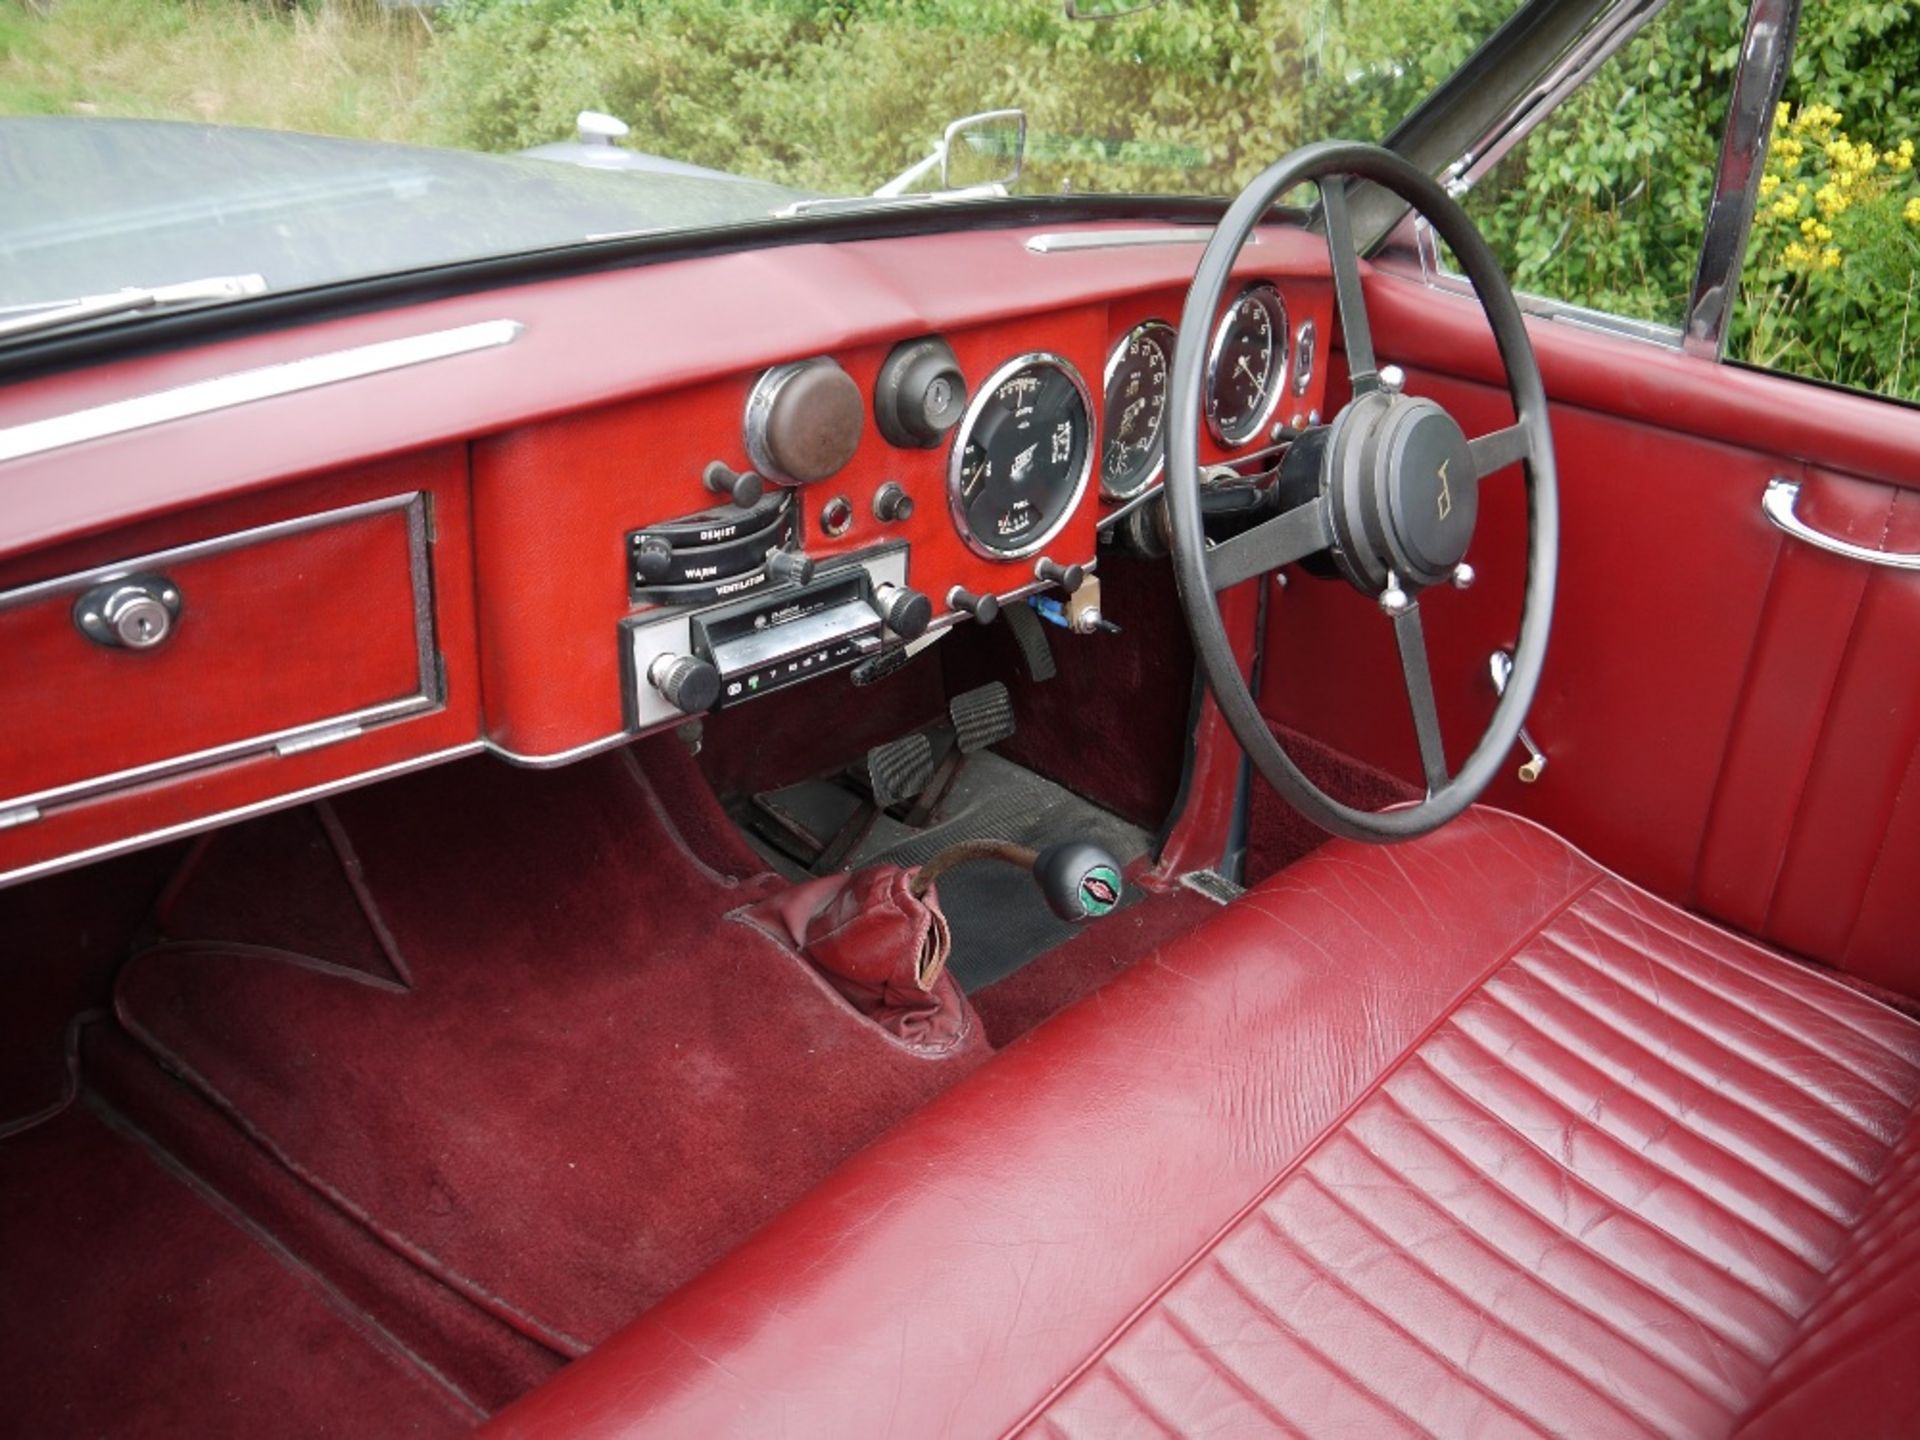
point(981, 717)
point(1031, 636)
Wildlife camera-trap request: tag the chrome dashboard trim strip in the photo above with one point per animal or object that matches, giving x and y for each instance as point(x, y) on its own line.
point(578, 752)
point(1068, 241)
point(202, 397)
point(227, 817)
point(1777, 504)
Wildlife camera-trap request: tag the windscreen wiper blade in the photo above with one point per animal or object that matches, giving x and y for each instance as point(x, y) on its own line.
point(59, 314)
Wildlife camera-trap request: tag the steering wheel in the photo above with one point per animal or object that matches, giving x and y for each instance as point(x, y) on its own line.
point(1396, 498)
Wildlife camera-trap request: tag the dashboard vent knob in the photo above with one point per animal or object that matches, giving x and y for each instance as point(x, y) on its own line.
point(790, 565)
point(920, 394)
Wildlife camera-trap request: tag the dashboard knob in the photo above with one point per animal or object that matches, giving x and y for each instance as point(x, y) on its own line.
point(790, 565)
point(920, 394)
point(891, 503)
point(690, 685)
point(743, 487)
point(1065, 577)
point(907, 613)
point(652, 557)
point(984, 608)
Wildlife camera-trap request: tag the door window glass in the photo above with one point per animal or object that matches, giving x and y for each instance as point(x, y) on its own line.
point(1604, 203)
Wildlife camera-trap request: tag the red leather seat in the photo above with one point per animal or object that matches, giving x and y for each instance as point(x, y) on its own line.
point(1464, 1136)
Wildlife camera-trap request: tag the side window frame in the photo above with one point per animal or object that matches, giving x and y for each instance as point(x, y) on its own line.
point(1759, 80)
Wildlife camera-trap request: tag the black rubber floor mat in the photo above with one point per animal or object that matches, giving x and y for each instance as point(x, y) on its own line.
point(999, 920)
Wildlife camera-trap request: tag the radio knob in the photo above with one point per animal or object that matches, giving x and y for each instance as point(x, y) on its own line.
point(1065, 577)
point(907, 613)
point(689, 684)
point(789, 565)
point(984, 608)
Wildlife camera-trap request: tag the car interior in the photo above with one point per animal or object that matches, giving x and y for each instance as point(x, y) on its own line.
point(1077, 816)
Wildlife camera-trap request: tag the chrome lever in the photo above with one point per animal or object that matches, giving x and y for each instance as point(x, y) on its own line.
point(1500, 666)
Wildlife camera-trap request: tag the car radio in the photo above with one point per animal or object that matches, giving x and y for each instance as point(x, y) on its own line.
point(684, 660)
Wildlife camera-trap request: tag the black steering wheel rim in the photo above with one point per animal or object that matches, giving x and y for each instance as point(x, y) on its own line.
point(1200, 576)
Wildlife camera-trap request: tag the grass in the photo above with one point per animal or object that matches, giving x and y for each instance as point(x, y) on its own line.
point(332, 67)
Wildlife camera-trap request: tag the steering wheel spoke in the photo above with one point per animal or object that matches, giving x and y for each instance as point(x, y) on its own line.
point(1411, 637)
point(1356, 331)
point(1302, 531)
point(1500, 448)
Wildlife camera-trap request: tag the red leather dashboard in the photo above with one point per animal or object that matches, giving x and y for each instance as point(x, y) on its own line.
point(396, 568)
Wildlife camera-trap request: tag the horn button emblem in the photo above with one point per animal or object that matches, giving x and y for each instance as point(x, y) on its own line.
point(1404, 496)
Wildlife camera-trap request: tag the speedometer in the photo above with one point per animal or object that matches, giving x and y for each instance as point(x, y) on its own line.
point(1135, 449)
point(1247, 365)
point(1022, 457)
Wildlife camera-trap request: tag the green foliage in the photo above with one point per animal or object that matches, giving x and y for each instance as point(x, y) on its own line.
point(1194, 97)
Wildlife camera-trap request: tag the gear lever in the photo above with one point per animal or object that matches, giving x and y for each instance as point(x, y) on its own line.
point(1080, 881)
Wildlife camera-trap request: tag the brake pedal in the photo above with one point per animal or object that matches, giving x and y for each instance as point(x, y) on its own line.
point(900, 769)
point(981, 717)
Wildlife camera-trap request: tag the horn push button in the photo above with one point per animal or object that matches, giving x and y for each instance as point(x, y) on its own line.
point(1431, 496)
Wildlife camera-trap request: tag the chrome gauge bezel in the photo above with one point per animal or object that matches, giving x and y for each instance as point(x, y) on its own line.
point(1269, 296)
point(964, 430)
point(1118, 354)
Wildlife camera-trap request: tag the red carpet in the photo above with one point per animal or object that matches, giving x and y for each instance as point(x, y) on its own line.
point(131, 1305)
point(596, 1084)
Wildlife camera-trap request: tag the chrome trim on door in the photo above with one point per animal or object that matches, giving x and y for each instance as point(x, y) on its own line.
point(430, 694)
point(202, 397)
point(1777, 504)
point(1765, 51)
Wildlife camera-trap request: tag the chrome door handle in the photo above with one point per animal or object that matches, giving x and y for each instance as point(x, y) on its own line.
point(1777, 505)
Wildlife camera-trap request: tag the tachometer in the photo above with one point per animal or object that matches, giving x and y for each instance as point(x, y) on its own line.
point(1135, 451)
point(1247, 365)
point(1022, 457)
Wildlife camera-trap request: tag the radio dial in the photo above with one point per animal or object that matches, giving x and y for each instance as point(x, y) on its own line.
point(690, 685)
point(907, 613)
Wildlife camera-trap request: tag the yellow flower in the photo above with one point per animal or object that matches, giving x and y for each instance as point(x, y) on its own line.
point(1830, 259)
point(1769, 183)
point(1911, 214)
point(1781, 112)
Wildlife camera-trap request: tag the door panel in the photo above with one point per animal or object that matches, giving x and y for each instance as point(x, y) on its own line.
point(1731, 716)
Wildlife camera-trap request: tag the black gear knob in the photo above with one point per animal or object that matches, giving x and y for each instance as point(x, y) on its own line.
point(1081, 881)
